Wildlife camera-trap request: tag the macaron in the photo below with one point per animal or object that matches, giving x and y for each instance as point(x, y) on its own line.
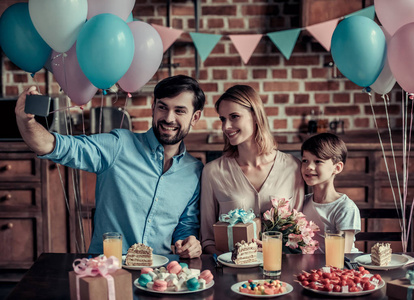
point(174, 267)
point(146, 270)
point(207, 276)
point(193, 284)
point(144, 279)
point(183, 265)
point(159, 285)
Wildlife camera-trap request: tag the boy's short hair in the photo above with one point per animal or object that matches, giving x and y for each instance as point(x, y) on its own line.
point(326, 146)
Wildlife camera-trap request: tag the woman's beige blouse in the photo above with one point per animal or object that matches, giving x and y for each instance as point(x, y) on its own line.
point(225, 187)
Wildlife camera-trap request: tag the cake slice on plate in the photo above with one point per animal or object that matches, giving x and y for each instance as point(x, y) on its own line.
point(244, 253)
point(139, 255)
point(381, 254)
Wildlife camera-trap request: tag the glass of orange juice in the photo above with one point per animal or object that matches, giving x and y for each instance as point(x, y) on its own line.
point(272, 253)
point(112, 245)
point(334, 248)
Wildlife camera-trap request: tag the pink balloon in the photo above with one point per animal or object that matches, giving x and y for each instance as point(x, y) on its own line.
point(147, 57)
point(121, 8)
point(394, 14)
point(68, 74)
point(401, 56)
point(386, 80)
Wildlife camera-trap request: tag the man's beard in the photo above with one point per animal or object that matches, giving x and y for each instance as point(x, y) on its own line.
point(165, 139)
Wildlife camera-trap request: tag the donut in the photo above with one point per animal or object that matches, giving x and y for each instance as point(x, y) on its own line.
point(193, 284)
point(144, 279)
point(146, 270)
point(174, 267)
point(207, 276)
point(159, 285)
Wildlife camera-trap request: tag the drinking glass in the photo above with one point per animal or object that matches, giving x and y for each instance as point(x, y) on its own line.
point(272, 253)
point(334, 248)
point(112, 245)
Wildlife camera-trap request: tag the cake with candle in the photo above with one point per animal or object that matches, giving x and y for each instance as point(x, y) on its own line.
point(139, 255)
point(244, 253)
point(381, 254)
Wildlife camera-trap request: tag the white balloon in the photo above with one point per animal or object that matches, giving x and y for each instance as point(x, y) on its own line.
point(58, 21)
point(386, 80)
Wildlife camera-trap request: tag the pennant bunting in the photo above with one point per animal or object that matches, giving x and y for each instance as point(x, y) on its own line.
point(204, 43)
point(368, 12)
point(168, 35)
point(245, 44)
point(285, 40)
point(323, 32)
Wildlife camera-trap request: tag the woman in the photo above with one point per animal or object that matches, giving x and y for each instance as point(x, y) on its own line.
point(251, 170)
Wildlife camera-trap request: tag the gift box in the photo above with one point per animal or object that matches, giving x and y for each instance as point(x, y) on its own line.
point(399, 289)
point(238, 232)
point(99, 278)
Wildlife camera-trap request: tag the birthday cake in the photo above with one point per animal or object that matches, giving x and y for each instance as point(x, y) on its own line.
point(139, 255)
point(381, 254)
point(244, 253)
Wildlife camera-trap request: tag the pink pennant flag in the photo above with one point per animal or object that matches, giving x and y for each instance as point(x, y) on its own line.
point(168, 35)
point(245, 44)
point(323, 32)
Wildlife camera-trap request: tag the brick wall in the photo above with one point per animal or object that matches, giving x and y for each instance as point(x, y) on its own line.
point(290, 88)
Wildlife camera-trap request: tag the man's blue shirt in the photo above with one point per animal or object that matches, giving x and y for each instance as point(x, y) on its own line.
point(133, 196)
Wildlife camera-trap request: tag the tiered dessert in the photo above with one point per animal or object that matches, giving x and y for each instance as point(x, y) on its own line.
point(381, 254)
point(244, 253)
point(139, 255)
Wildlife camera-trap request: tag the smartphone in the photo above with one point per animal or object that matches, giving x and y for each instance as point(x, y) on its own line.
point(38, 105)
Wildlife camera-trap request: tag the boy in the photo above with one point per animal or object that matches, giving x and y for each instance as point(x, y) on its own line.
point(323, 157)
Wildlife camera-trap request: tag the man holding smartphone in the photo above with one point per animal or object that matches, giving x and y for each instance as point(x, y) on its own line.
point(137, 173)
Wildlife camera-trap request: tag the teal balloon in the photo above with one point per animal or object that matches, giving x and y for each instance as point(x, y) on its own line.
point(359, 49)
point(105, 49)
point(20, 41)
point(130, 18)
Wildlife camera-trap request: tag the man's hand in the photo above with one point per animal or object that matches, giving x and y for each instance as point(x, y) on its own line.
point(34, 134)
point(20, 104)
point(188, 248)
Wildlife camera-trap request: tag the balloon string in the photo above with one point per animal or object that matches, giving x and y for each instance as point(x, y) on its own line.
point(63, 108)
point(64, 71)
point(407, 234)
point(89, 228)
point(37, 84)
point(395, 163)
point(100, 115)
point(75, 185)
point(384, 156)
point(125, 107)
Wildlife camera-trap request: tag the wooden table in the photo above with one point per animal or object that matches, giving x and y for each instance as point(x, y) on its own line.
point(48, 278)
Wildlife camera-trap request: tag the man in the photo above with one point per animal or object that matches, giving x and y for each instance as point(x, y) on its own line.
point(147, 185)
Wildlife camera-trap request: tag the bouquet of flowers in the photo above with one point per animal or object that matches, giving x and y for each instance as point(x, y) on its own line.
point(297, 231)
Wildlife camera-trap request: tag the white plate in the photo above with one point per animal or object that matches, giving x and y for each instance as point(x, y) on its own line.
point(225, 259)
point(157, 261)
point(397, 261)
point(349, 294)
point(235, 288)
point(183, 291)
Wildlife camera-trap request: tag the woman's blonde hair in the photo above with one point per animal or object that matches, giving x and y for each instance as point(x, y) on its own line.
point(249, 98)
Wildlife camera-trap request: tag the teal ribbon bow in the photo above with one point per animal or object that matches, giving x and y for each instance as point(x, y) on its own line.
point(236, 216)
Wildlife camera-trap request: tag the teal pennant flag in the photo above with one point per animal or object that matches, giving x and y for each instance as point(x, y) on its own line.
point(285, 40)
point(204, 43)
point(368, 12)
